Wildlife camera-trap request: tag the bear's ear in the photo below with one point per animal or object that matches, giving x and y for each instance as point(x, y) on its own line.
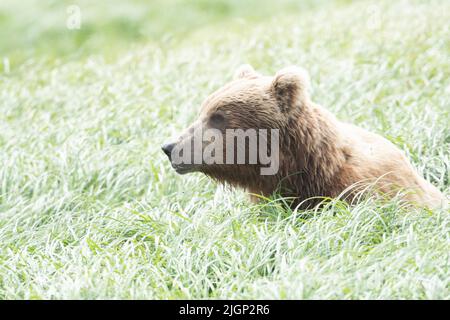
point(245, 71)
point(291, 88)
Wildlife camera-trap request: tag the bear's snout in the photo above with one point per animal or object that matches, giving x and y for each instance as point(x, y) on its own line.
point(179, 164)
point(167, 149)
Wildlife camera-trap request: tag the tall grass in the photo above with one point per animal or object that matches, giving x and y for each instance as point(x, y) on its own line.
point(90, 208)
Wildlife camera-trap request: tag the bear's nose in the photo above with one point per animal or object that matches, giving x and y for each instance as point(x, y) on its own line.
point(167, 148)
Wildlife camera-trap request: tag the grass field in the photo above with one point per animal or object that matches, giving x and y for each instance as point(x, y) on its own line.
point(90, 208)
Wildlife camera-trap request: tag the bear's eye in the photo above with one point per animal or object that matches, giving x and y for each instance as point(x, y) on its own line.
point(217, 119)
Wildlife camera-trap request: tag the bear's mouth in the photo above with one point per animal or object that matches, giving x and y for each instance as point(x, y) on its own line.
point(184, 168)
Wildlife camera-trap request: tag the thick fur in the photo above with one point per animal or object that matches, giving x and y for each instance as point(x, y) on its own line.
point(320, 156)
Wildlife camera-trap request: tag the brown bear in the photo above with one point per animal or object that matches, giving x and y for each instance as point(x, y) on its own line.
point(317, 155)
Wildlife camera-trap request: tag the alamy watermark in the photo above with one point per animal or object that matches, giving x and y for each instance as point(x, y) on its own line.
point(374, 17)
point(73, 21)
point(236, 146)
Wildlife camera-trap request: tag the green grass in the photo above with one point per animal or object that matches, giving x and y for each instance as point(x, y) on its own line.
point(90, 208)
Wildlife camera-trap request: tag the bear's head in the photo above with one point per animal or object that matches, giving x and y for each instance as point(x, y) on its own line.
point(240, 126)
